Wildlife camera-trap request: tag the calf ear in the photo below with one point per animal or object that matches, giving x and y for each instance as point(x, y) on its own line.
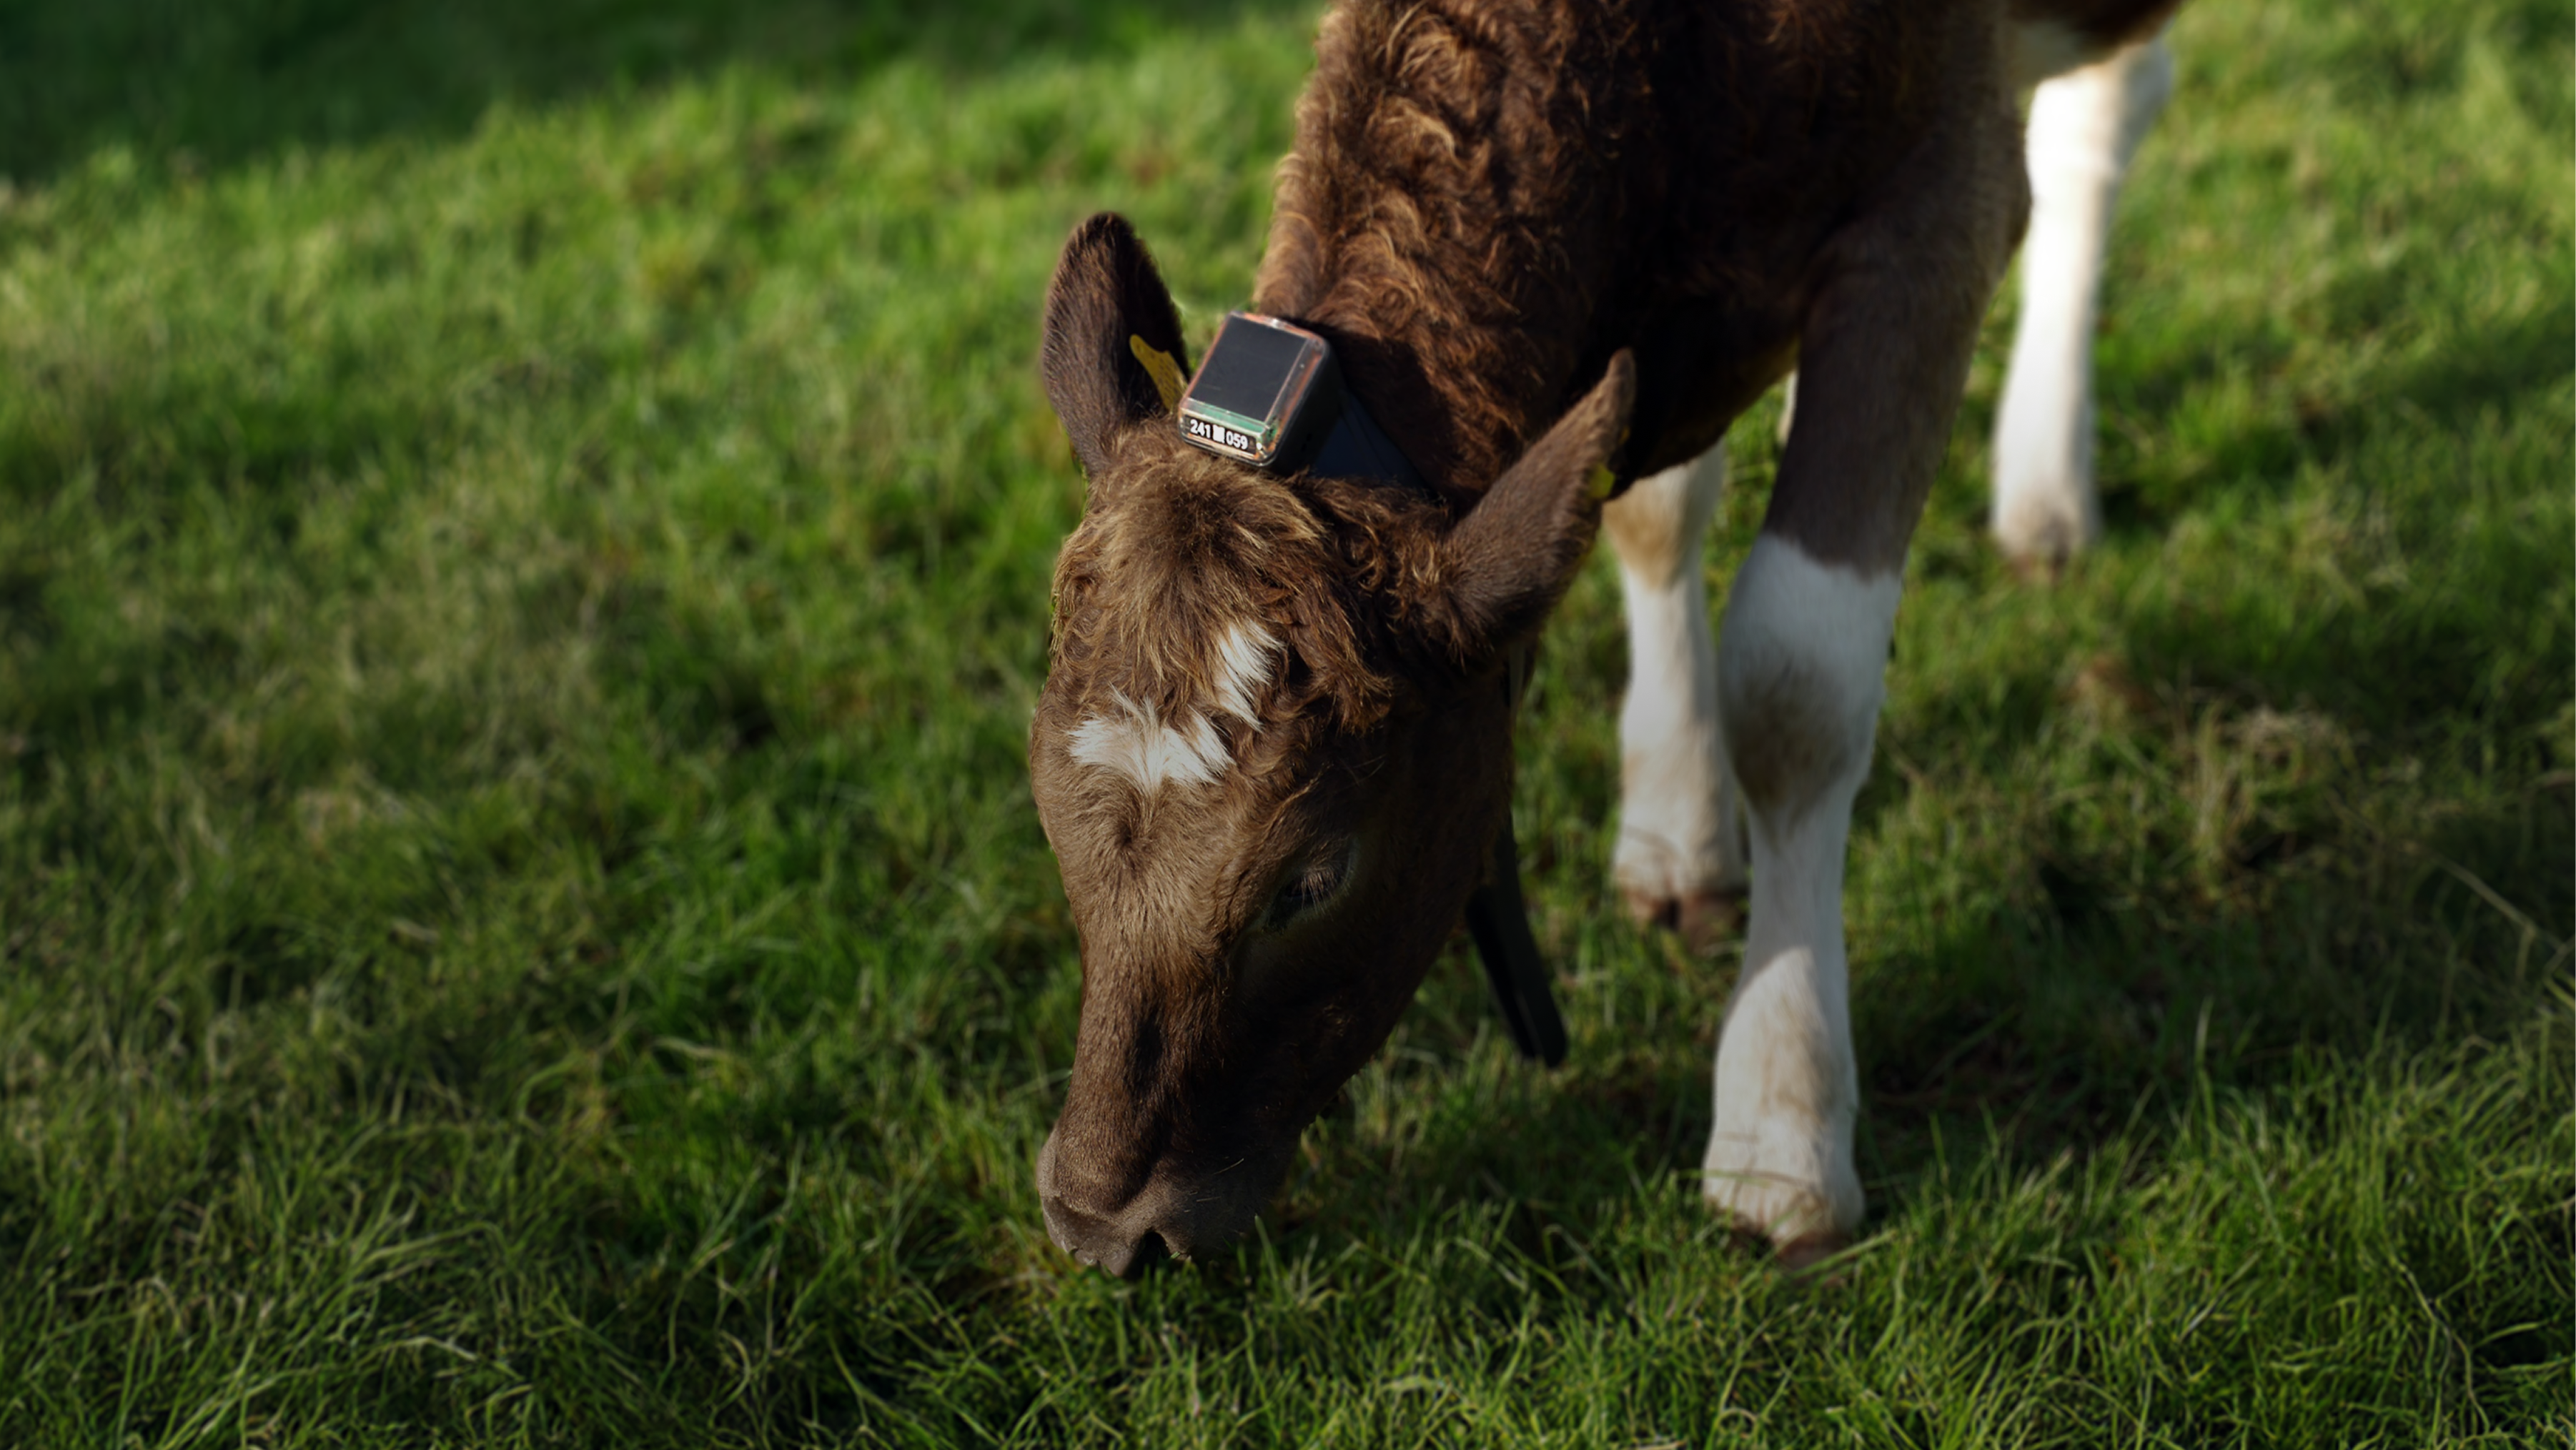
point(1509, 559)
point(1113, 353)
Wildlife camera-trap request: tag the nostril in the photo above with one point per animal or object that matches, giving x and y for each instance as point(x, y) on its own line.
point(1149, 1251)
point(1103, 1241)
point(1126, 1258)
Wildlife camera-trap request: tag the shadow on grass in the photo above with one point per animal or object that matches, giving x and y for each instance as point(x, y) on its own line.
point(2407, 663)
point(190, 86)
point(2459, 389)
point(2452, 390)
point(2026, 1038)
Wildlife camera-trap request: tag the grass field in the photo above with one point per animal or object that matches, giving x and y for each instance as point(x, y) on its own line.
point(524, 539)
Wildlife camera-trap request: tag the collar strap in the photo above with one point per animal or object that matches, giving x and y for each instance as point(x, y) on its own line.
point(1358, 448)
point(1498, 918)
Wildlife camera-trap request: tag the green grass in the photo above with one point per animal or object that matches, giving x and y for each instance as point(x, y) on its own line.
point(524, 536)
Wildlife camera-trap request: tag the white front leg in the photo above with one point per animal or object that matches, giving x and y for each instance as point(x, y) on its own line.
point(2084, 128)
point(1680, 858)
point(1801, 678)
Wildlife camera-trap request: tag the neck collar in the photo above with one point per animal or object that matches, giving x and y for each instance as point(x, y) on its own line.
point(1358, 448)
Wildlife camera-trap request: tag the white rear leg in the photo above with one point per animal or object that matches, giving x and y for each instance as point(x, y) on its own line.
point(1681, 854)
point(2085, 126)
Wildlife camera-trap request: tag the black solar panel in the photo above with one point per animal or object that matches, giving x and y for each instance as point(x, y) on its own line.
point(1246, 373)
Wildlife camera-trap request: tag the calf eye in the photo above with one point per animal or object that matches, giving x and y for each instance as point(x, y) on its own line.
point(1308, 888)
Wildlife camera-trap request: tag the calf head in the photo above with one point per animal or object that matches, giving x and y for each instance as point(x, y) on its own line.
point(1271, 754)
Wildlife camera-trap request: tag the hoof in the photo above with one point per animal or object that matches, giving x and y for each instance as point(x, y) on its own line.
point(2039, 571)
point(2041, 543)
point(1806, 1257)
point(1701, 918)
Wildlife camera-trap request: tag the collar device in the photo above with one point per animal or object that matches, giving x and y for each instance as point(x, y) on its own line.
point(1266, 394)
point(1270, 394)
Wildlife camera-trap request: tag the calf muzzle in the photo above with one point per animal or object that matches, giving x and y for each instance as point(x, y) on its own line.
point(1125, 1237)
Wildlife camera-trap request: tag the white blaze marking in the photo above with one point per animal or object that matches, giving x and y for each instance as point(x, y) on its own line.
point(1134, 742)
point(1243, 667)
point(1780, 1152)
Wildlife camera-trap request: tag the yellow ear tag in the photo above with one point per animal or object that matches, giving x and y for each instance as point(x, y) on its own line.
point(1601, 479)
point(1160, 367)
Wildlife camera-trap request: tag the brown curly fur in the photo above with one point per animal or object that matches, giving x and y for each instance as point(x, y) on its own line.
point(1336, 570)
point(1487, 199)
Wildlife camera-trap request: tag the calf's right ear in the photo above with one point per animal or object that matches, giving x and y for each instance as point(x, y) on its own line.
point(1113, 353)
point(1509, 559)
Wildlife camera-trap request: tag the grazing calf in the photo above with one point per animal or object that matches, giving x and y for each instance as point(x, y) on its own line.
point(1554, 246)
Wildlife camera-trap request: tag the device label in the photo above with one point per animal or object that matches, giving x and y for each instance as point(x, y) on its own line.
point(1220, 435)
